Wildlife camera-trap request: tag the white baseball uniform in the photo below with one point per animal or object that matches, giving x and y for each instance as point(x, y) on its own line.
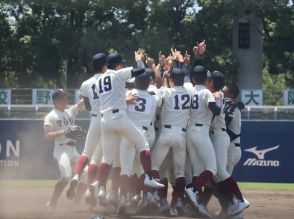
point(115, 122)
point(89, 89)
point(200, 148)
point(174, 117)
point(142, 113)
point(64, 148)
point(221, 141)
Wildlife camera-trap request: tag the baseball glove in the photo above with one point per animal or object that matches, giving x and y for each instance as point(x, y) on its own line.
point(76, 132)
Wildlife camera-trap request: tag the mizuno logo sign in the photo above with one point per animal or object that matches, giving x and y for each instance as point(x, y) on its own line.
point(260, 154)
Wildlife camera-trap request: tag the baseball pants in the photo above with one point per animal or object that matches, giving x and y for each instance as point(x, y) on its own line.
point(116, 124)
point(200, 148)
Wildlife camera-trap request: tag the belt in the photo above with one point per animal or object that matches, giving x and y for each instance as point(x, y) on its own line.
point(197, 124)
point(70, 143)
point(237, 144)
point(95, 115)
point(169, 127)
point(145, 128)
point(223, 129)
point(113, 111)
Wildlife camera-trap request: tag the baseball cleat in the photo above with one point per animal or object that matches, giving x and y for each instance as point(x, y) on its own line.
point(157, 198)
point(122, 205)
point(134, 201)
point(173, 212)
point(143, 207)
point(180, 206)
point(92, 197)
point(151, 199)
point(151, 182)
point(102, 196)
point(71, 191)
point(204, 211)
point(164, 206)
point(237, 207)
point(113, 198)
point(192, 197)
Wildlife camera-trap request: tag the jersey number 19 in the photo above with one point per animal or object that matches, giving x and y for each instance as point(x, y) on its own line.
point(104, 84)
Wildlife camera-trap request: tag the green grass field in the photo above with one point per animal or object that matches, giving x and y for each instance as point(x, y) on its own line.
point(50, 183)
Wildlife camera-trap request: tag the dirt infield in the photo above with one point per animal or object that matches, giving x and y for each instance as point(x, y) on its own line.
point(29, 203)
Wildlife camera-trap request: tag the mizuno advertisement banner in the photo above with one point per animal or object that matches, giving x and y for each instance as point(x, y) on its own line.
point(267, 150)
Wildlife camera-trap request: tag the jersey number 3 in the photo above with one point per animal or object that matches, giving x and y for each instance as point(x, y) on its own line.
point(105, 84)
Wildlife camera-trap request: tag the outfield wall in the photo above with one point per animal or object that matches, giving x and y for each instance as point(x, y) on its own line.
point(267, 151)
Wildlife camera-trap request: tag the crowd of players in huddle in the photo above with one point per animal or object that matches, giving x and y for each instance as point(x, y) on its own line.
point(150, 126)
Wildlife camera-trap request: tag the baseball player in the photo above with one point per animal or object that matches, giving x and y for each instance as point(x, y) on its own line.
point(174, 118)
point(221, 143)
point(56, 124)
point(115, 62)
point(232, 111)
point(200, 148)
point(142, 113)
point(88, 91)
point(115, 122)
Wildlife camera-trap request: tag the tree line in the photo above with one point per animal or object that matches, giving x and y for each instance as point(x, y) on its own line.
point(51, 43)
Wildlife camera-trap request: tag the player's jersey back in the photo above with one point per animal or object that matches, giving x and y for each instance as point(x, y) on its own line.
point(200, 113)
point(89, 89)
point(176, 106)
point(142, 112)
point(111, 89)
point(219, 121)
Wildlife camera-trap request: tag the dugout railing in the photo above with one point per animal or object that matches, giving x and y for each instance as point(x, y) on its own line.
point(18, 111)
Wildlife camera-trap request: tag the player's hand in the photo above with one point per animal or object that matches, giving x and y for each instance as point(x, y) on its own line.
point(161, 59)
point(168, 63)
point(139, 55)
point(187, 58)
point(150, 62)
point(131, 98)
point(217, 95)
point(199, 49)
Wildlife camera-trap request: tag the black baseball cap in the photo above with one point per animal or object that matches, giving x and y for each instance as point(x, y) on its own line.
point(114, 58)
point(199, 70)
point(146, 76)
point(150, 72)
point(177, 72)
point(99, 60)
point(217, 75)
point(218, 80)
point(57, 93)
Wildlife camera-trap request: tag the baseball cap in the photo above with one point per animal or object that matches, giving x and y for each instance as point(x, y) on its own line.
point(218, 80)
point(114, 58)
point(150, 72)
point(145, 76)
point(217, 75)
point(99, 60)
point(57, 93)
point(176, 72)
point(199, 70)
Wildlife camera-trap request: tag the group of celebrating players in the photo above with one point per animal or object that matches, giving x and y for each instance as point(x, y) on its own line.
point(150, 126)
